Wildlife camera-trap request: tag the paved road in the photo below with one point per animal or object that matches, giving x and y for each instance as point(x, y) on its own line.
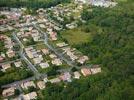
point(17, 83)
point(30, 65)
point(8, 62)
point(60, 55)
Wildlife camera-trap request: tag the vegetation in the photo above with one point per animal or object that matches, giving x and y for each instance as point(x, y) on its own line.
point(2, 48)
point(14, 74)
point(112, 31)
point(31, 3)
point(2, 17)
point(75, 36)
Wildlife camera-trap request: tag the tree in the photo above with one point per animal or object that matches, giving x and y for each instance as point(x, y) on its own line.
point(74, 69)
point(17, 92)
point(31, 89)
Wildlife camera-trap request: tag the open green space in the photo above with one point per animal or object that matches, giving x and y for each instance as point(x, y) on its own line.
point(40, 46)
point(75, 36)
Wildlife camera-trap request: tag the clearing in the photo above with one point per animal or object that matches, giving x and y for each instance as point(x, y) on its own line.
point(75, 36)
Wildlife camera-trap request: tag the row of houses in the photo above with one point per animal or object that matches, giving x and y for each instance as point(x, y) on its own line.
point(101, 3)
point(11, 92)
point(25, 86)
point(25, 32)
point(37, 57)
point(60, 12)
point(74, 57)
point(4, 67)
point(8, 44)
point(67, 77)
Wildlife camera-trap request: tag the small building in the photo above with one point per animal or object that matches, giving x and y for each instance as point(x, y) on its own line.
point(53, 36)
point(77, 75)
point(28, 84)
point(18, 63)
point(52, 56)
point(45, 80)
point(37, 60)
point(30, 96)
point(44, 65)
point(6, 66)
point(8, 92)
point(61, 44)
point(30, 55)
point(66, 77)
point(41, 84)
point(55, 80)
point(95, 69)
point(45, 51)
point(82, 59)
point(42, 25)
point(85, 71)
point(73, 57)
point(10, 53)
point(57, 62)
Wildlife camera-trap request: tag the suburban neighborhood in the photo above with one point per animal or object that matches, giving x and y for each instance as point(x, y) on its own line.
point(32, 45)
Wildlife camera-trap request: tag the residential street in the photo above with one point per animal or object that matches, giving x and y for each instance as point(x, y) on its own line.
point(30, 65)
point(54, 50)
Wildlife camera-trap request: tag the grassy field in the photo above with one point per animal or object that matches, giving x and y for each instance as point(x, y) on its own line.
point(75, 36)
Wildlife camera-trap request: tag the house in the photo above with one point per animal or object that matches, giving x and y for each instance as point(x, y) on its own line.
point(82, 59)
point(72, 56)
point(85, 71)
point(36, 36)
point(53, 36)
point(8, 92)
point(80, 1)
point(30, 96)
point(71, 26)
point(95, 69)
point(41, 84)
point(61, 44)
point(6, 66)
point(52, 56)
point(45, 80)
point(55, 80)
point(45, 51)
point(28, 84)
point(29, 54)
point(77, 75)
point(37, 60)
point(42, 25)
point(44, 65)
point(57, 62)
point(8, 43)
point(66, 77)
point(103, 3)
point(10, 53)
point(18, 63)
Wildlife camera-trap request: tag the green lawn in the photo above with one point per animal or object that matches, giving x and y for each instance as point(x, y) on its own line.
point(75, 36)
point(40, 46)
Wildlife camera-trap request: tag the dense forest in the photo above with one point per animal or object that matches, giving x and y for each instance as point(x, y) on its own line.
point(112, 46)
point(31, 3)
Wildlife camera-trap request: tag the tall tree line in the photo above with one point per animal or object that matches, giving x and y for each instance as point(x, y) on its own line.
point(31, 3)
